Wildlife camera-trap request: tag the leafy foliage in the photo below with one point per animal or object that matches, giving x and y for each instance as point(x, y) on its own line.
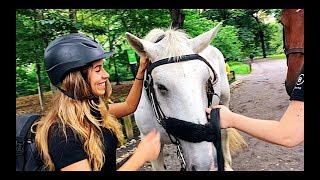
point(226, 39)
point(35, 28)
point(252, 27)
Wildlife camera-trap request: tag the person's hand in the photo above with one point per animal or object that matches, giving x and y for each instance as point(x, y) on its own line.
point(226, 116)
point(149, 147)
point(143, 63)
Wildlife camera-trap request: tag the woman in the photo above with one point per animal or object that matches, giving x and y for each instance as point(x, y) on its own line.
point(79, 131)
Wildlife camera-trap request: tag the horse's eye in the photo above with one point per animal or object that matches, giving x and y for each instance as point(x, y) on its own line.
point(162, 87)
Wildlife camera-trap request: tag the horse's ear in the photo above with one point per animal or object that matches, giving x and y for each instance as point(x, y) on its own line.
point(203, 40)
point(142, 47)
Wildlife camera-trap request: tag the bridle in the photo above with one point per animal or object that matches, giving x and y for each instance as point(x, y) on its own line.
point(293, 50)
point(160, 116)
point(289, 51)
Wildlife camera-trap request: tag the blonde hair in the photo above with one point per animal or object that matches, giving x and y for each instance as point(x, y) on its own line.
point(75, 114)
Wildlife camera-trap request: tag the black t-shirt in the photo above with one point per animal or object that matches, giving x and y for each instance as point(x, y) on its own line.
point(298, 90)
point(64, 153)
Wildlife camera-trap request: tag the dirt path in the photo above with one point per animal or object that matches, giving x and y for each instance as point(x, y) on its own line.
point(260, 94)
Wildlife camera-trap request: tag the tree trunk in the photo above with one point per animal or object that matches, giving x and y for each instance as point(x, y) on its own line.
point(261, 36)
point(73, 17)
point(40, 88)
point(114, 60)
point(45, 44)
point(177, 17)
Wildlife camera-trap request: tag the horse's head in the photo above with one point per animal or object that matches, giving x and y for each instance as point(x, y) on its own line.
point(293, 27)
point(180, 87)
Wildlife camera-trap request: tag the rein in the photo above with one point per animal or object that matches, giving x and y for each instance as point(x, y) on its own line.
point(172, 125)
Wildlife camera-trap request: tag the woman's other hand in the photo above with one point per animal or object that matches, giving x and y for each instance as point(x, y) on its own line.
point(149, 147)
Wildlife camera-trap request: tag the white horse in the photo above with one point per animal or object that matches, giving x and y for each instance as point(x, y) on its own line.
point(180, 90)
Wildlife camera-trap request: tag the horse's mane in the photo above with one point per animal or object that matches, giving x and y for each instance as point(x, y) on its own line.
point(177, 42)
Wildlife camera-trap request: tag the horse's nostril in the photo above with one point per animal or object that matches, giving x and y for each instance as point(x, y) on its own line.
point(193, 168)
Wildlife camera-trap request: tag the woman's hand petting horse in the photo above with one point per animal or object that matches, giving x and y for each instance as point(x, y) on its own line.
point(147, 150)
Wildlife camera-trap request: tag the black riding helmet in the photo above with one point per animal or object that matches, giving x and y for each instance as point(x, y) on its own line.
point(70, 52)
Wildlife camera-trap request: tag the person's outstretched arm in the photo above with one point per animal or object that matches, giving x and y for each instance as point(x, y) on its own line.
point(131, 103)
point(289, 131)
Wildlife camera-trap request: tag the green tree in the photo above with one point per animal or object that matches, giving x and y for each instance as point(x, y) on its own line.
point(254, 33)
point(226, 39)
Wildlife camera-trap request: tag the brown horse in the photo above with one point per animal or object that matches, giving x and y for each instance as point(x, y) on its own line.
point(293, 35)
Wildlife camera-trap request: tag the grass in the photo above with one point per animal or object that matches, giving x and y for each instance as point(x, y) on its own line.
point(277, 56)
point(242, 68)
point(239, 67)
point(272, 57)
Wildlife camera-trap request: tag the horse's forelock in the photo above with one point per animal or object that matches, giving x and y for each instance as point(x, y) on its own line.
point(176, 44)
point(154, 34)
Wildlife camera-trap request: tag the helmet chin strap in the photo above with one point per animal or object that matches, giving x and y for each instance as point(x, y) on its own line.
point(72, 96)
